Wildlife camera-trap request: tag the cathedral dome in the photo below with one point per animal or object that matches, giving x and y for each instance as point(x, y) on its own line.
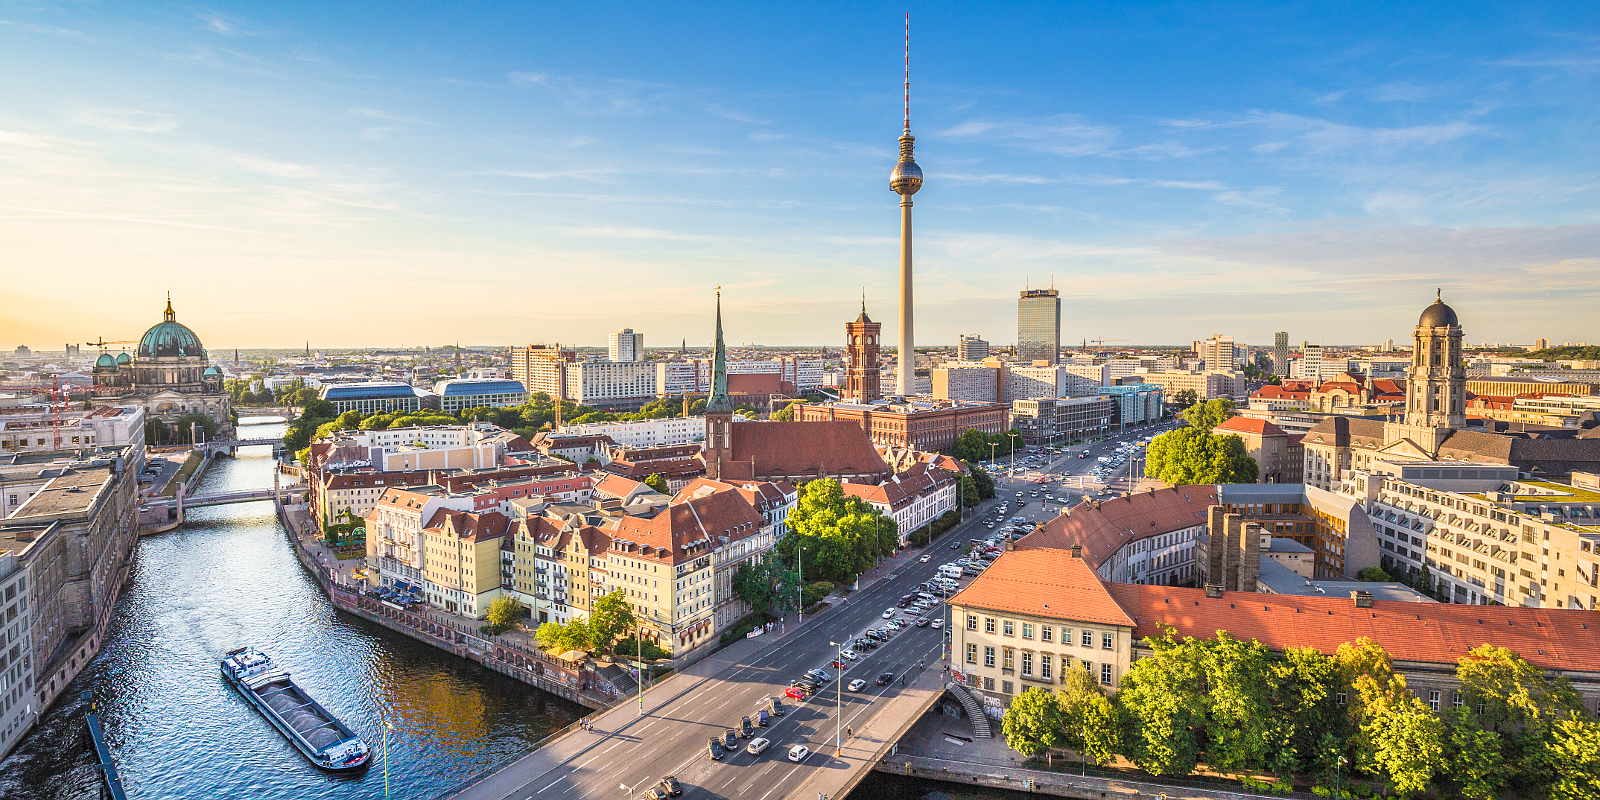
point(105, 361)
point(212, 370)
point(170, 339)
point(1437, 315)
point(123, 359)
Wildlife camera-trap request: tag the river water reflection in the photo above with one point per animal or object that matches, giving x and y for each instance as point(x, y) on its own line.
point(226, 579)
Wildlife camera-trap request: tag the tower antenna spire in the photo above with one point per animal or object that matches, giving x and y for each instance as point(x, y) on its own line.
point(908, 71)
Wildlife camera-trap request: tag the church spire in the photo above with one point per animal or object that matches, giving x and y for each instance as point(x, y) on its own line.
point(719, 369)
point(169, 315)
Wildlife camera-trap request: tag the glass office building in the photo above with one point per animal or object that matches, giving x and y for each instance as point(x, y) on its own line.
point(1039, 326)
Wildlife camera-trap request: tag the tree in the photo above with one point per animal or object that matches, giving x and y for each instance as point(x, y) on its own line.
point(1033, 723)
point(1190, 455)
point(608, 618)
point(1522, 705)
point(969, 492)
point(183, 430)
point(560, 638)
point(658, 483)
point(1209, 414)
point(1163, 698)
point(503, 614)
point(1372, 575)
point(1473, 766)
point(981, 479)
point(1183, 398)
point(971, 446)
point(1575, 756)
point(765, 584)
point(1407, 744)
point(1242, 730)
point(1089, 723)
point(841, 537)
point(1307, 701)
point(301, 397)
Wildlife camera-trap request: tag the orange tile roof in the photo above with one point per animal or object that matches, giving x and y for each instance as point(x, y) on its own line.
point(1104, 527)
point(1566, 639)
point(1046, 583)
point(1259, 427)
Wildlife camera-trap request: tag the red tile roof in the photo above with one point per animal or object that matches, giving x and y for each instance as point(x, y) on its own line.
point(1427, 632)
point(470, 526)
point(1104, 527)
point(1260, 427)
point(1046, 583)
point(803, 450)
point(689, 529)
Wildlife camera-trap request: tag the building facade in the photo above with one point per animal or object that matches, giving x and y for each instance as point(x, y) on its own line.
point(971, 348)
point(170, 376)
point(372, 397)
point(1280, 354)
point(1278, 454)
point(1039, 326)
point(977, 383)
point(1063, 419)
point(460, 394)
point(542, 368)
point(625, 345)
point(919, 425)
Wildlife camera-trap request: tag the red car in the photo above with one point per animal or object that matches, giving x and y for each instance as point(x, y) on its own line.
point(839, 665)
point(795, 692)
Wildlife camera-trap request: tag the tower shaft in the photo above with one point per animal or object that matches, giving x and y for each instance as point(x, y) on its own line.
point(905, 382)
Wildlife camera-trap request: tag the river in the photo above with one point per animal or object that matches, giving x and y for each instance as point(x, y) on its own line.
point(228, 578)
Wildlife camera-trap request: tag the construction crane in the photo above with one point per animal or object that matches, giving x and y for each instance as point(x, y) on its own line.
point(57, 401)
point(100, 342)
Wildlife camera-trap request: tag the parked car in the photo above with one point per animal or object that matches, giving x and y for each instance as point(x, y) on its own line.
point(763, 719)
point(850, 655)
point(747, 728)
point(778, 709)
point(819, 674)
point(730, 740)
point(922, 623)
point(799, 752)
point(938, 623)
point(924, 558)
point(857, 685)
point(887, 613)
point(838, 664)
point(714, 749)
point(756, 746)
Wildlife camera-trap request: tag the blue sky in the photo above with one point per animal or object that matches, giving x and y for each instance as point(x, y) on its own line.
point(504, 173)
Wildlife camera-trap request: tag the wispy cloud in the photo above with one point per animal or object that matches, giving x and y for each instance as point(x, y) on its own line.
point(599, 97)
point(141, 220)
point(49, 30)
point(125, 119)
point(614, 232)
point(280, 168)
point(1065, 134)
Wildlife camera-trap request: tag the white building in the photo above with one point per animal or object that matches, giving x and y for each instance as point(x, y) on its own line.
point(644, 433)
point(912, 498)
point(416, 448)
point(610, 383)
point(694, 375)
point(32, 430)
point(625, 345)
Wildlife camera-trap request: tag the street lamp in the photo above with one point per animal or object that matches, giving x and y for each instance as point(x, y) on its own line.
point(800, 591)
point(387, 726)
point(1013, 435)
point(838, 700)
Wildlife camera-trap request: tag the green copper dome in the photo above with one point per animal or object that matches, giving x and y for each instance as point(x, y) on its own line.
point(105, 361)
point(170, 339)
point(123, 359)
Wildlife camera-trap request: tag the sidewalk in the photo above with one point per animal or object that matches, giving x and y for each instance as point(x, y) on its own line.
point(873, 741)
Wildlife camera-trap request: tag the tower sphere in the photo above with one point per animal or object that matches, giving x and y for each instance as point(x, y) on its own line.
point(906, 178)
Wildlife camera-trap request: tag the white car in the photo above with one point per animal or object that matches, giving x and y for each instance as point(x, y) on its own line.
point(888, 614)
point(925, 558)
point(850, 654)
point(799, 752)
point(938, 623)
point(857, 685)
point(756, 746)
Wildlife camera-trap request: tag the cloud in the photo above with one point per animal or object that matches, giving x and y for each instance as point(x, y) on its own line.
point(125, 119)
point(373, 113)
point(1065, 134)
point(134, 219)
point(279, 168)
point(44, 29)
point(612, 232)
point(606, 97)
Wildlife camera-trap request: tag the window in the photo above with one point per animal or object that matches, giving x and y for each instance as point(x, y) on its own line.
point(1027, 664)
point(1044, 667)
point(1105, 674)
point(1105, 641)
point(972, 654)
point(1455, 699)
point(1010, 628)
point(1027, 630)
point(1433, 700)
point(1008, 658)
point(1046, 634)
point(988, 684)
point(1088, 638)
point(1088, 666)
point(1005, 686)
point(988, 656)
point(972, 622)
point(1341, 698)
point(988, 624)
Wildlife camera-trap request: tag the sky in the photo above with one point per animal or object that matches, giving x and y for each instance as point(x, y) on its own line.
point(390, 174)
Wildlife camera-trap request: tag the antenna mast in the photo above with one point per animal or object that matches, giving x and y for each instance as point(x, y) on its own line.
point(908, 71)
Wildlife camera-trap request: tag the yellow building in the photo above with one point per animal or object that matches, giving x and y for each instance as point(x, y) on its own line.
point(461, 560)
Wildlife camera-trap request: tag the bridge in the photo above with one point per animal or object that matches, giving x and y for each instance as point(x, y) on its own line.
point(634, 744)
point(213, 499)
point(288, 413)
point(230, 445)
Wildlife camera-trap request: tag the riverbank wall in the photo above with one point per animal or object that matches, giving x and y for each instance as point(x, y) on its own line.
point(568, 680)
point(1057, 784)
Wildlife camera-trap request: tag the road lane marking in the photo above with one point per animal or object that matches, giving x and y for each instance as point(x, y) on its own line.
point(552, 783)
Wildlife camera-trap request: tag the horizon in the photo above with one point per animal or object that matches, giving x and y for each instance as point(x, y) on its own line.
point(1173, 172)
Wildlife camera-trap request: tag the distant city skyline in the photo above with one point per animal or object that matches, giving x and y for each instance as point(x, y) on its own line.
point(495, 175)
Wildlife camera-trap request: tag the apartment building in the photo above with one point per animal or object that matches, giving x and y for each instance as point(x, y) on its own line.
point(1207, 385)
point(625, 345)
point(611, 384)
point(912, 498)
point(542, 368)
point(1278, 454)
point(1218, 353)
point(461, 560)
point(976, 383)
point(917, 424)
point(1033, 614)
point(32, 429)
point(972, 348)
point(662, 432)
point(1136, 403)
point(693, 376)
point(1063, 419)
point(1483, 535)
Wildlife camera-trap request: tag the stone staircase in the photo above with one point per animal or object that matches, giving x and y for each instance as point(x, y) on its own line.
point(974, 709)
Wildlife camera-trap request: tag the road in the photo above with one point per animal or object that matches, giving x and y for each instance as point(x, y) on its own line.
point(620, 764)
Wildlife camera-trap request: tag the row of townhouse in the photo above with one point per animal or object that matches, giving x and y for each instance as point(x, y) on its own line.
point(913, 497)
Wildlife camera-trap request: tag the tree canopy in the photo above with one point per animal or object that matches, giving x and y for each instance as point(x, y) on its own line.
point(840, 536)
point(1209, 414)
point(766, 584)
point(973, 445)
point(1189, 455)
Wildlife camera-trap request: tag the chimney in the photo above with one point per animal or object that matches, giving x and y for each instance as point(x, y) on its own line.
point(1077, 551)
point(1010, 545)
point(1363, 599)
point(1214, 591)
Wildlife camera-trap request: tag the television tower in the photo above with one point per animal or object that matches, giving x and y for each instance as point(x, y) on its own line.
point(905, 180)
